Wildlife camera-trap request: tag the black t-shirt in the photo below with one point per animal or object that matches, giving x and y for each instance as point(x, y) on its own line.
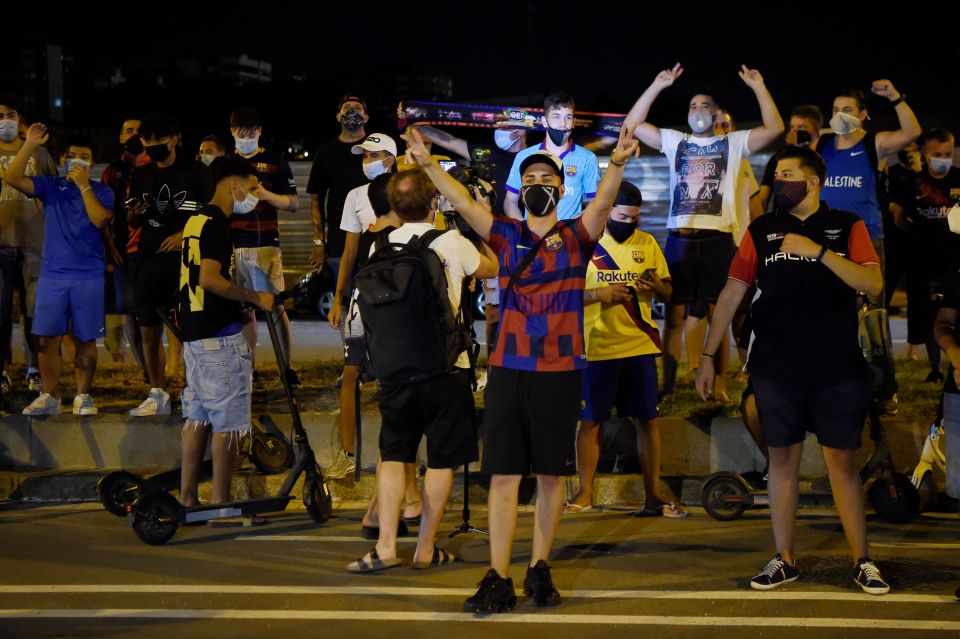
point(367, 239)
point(206, 236)
point(502, 162)
point(335, 172)
point(805, 317)
point(173, 193)
point(951, 300)
point(926, 201)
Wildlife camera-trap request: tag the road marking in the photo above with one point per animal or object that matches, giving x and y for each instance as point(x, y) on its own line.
point(390, 591)
point(459, 617)
point(400, 540)
point(906, 544)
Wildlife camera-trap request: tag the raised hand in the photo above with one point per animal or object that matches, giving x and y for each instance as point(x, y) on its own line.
point(750, 77)
point(37, 134)
point(885, 89)
point(417, 151)
point(79, 175)
point(627, 145)
point(667, 77)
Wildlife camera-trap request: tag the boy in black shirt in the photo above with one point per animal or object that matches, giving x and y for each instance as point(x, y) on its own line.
point(218, 360)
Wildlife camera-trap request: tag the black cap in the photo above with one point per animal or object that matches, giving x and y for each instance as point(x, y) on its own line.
point(628, 195)
point(542, 157)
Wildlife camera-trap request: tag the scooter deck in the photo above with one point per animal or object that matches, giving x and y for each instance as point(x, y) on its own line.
point(234, 509)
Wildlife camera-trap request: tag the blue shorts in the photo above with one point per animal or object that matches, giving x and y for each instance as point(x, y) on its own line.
point(951, 427)
point(69, 306)
point(630, 384)
point(833, 411)
point(219, 382)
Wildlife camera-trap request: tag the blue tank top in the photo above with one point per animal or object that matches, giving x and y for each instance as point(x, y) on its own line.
point(852, 182)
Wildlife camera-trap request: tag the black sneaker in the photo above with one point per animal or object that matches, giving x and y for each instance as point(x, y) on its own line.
point(868, 577)
point(495, 594)
point(538, 585)
point(776, 573)
point(293, 380)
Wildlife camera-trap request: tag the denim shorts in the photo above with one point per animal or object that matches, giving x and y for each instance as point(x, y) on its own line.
point(259, 268)
point(951, 427)
point(219, 380)
point(67, 305)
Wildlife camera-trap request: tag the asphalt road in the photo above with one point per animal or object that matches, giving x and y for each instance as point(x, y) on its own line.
point(76, 571)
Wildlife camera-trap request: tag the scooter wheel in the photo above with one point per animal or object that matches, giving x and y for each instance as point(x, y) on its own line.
point(155, 518)
point(929, 492)
point(270, 454)
point(896, 499)
point(724, 498)
point(317, 499)
point(118, 490)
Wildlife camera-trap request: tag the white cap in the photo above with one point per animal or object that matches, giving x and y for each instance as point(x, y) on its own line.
point(376, 142)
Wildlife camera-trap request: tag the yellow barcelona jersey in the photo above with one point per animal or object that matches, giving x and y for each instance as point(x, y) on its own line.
point(623, 330)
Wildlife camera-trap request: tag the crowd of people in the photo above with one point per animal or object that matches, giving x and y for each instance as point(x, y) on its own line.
point(188, 243)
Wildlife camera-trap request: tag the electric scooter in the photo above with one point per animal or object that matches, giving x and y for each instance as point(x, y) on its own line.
point(726, 495)
point(156, 515)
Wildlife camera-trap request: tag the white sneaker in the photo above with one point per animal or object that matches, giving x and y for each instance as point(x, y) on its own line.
point(44, 404)
point(156, 403)
point(83, 405)
point(342, 466)
point(34, 383)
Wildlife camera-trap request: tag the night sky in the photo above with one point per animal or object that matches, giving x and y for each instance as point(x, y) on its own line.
point(602, 54)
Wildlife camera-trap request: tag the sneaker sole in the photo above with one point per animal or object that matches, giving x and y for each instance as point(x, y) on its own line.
point(873, 591)
point(339, 475)
point(546, 604)
point(757, 586)
point(86, 412)
point(499, 609)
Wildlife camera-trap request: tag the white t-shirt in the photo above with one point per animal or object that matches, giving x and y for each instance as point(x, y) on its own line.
point(358, 215)
point(460, 258)
point(703, 179)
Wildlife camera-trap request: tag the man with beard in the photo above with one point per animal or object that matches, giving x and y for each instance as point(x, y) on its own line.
point(335, 172)
point(626, 271)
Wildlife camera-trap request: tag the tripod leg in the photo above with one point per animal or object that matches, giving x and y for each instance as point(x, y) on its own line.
point(359, 433)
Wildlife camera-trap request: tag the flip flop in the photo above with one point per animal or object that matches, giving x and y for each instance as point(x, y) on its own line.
point(371, 562)
point(572, 509)
point(412, 521)
point(440, 558)
point(670, 511)
point(373, 532)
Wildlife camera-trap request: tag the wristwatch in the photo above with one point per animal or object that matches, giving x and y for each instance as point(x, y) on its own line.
point(317, 242)
point(903, 96)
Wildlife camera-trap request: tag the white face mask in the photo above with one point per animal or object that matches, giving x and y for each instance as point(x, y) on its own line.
point(373, 169)
point(503, 138)
point(940, 166)
point(9, 130)
point(844, 123)
point(246, 205)
point(73, 162)
point(207, 158)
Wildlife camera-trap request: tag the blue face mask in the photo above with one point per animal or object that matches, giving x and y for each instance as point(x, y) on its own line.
point(74, 162)
point(9, 130)
point(247, 146)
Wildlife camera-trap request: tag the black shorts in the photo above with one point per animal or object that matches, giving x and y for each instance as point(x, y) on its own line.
point(442, 409)
point(156, 286)
point(530, 422)
point(698, 265)
point(629, 383)
point(833, 411)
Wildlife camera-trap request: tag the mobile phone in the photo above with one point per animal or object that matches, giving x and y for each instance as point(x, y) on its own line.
point(804, 138)
point(132, 202)
point(446, 165)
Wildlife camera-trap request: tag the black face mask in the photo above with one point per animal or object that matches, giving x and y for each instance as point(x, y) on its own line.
point(351, 120)
point(158, 152)
point(133, 146)
point(620, 231)
point(556, 135)
point(539, 199)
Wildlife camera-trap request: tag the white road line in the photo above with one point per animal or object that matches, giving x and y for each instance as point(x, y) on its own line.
point(400, 540)
point(906, 544)
point(389, 591)
point(537, 618)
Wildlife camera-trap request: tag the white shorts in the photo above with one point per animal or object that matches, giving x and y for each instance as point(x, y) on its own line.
point(259, 269)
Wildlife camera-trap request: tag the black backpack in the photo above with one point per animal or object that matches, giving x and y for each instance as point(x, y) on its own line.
point(412, 331)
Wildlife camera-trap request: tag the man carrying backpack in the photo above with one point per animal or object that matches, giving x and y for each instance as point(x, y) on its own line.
point(409, 296)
